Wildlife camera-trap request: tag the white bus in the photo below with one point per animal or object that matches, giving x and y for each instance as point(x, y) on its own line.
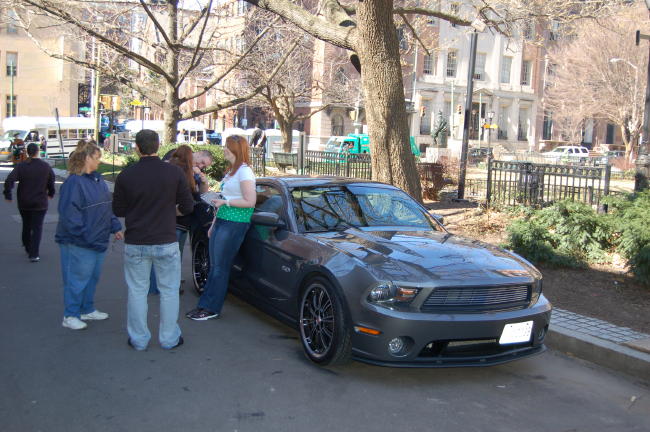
point(194, 130)
point(30, 129)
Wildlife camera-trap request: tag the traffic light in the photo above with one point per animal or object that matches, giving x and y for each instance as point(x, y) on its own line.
point(423, 110)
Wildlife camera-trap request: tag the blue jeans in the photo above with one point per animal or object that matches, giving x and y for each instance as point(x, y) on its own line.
point(138, 262)
point(225, 241)
point(181, 235)
point(80, 268)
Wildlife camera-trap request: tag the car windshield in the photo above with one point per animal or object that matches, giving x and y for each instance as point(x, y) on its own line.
point(559, 150)
point(9, 135)
point(333, 208)
point(332, 145)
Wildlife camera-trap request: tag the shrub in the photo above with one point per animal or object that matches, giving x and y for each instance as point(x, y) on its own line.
point(565, 234)
point(631, 215)
point(215, 172)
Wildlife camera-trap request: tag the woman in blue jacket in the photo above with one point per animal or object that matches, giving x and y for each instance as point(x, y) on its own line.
point(86, 221)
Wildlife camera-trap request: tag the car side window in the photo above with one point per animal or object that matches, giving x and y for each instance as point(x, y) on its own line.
point(269, 199)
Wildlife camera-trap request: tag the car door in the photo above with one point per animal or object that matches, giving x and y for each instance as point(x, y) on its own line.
point(268, 265)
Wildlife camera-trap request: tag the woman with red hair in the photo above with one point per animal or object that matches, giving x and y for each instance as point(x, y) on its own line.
point(229, 226)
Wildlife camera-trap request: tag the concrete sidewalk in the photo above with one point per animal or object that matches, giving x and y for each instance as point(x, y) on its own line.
point(590, 339)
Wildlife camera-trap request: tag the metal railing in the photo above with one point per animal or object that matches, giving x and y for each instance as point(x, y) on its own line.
point(336, 164)
point(513, 183)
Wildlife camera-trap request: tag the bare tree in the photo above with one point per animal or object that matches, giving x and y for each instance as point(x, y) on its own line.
point(598, 73)
point(368, 30)
point(152, 47)
point(296, 93)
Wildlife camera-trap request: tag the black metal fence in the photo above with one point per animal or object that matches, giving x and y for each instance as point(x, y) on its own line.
point(513, 183)
point(258, 159)
point(336, 164)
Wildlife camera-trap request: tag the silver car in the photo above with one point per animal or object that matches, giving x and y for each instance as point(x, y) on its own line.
point(363, 271)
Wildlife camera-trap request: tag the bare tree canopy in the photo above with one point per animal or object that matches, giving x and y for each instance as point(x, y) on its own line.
point(598, 74)
point(156, 48)
point(368, 30)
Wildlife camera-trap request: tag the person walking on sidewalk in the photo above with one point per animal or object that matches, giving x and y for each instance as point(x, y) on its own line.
point(85, 225)
point(35, 185)
point(150, 194)
point(228, 228)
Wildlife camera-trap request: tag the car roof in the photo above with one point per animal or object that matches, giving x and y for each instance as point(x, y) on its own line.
point(307, 181)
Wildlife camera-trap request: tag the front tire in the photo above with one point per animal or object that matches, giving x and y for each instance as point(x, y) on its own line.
point(200, 263)
point(324, 326)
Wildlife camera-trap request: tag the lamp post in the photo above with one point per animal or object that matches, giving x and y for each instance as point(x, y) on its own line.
point(490, 116)
point(643, 159)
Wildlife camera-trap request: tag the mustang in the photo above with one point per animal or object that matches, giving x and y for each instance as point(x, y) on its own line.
point(362, 270)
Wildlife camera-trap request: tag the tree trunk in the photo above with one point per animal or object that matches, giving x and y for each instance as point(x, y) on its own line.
point(286, 128)
point(381, 75)
point(172, 109)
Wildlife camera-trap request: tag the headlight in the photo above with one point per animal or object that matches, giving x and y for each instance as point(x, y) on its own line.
point(388, 292)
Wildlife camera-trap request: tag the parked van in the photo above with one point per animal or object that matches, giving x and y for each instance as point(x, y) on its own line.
point(357, 144)
point(194, 130)
point(30, 129)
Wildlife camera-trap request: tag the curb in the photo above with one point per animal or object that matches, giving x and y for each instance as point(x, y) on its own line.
point(599, 351)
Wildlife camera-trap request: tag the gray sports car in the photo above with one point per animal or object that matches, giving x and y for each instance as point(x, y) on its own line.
point(362, 270)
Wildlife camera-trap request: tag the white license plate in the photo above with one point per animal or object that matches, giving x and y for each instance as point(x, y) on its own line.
point(516, 333)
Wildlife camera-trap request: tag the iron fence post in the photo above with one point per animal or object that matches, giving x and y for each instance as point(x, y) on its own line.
point(488, 187)
point(301, 154)
point(347, 164)
point(608, 175)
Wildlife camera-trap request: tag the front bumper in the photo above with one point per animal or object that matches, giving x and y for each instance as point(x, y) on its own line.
point(454, 340)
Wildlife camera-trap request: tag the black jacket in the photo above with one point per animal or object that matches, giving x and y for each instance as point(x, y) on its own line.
point(146, 194)
point(35, 183)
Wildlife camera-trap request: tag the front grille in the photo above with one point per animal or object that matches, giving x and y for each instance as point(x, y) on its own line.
point(477, 299)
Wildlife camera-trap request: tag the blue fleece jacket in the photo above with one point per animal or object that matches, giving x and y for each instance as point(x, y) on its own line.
point(85, 215)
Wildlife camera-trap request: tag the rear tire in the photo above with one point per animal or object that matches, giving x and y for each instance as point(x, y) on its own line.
point(200, 263)
point(324, 326)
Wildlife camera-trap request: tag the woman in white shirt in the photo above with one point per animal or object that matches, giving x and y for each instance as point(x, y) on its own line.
point(228, 228)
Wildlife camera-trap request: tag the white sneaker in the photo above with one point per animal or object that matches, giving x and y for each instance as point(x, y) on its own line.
point(74, 323)
point(94, 316)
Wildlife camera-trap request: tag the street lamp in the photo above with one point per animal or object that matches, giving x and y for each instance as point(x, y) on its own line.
point(636, 83)
point(490, 116)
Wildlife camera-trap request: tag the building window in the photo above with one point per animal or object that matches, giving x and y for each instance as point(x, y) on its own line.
point(11, 106)
point(401, 37)
point(337, 125)
point(547, 127)
point(429, 67)
point(242, 7)
point(454, 8)
point(12, 64)
point(502, 132)
point(609, 136)
point(425, 120)
point(12, 27)
point(506, 67)
point(526, 69)
point(479, 67)
point(522, 129)
point(529, 31)
point(452, 64)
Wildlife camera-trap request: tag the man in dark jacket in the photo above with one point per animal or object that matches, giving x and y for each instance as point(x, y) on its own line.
point(36, 185)
point(150, 194)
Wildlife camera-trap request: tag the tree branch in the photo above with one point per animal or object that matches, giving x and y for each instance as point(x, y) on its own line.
point(415, 34)
point(155, 22)
point(429, 12)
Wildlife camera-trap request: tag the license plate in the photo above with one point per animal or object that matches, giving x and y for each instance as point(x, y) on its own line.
point(516, 333)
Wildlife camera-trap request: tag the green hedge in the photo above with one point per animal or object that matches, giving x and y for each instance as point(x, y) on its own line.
point(573, 234)
point(215, 172)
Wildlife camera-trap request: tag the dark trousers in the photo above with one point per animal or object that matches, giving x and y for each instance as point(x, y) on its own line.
point(32, 230)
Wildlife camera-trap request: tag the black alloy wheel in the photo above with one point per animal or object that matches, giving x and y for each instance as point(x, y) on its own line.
point(324, 329)
point(200, 264)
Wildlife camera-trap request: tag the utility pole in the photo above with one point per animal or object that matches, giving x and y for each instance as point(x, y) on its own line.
point(468, 110)
point(642, 175)
point(95, 104)
point(12, 112)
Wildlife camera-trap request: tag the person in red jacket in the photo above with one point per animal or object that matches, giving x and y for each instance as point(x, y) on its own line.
point(35, 185)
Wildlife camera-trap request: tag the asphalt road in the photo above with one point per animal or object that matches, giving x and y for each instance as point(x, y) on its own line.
point(246, 372)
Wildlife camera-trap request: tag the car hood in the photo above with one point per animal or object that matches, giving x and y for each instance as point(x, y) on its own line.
point(429, 257)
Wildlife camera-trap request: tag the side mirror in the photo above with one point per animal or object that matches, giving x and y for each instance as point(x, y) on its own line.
point(439, 218)
point(268, 219)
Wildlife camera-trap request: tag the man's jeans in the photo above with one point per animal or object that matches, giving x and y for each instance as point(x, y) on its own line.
point(80, 268)
point(225, 241)
point(138, 262)
point(181, 235)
